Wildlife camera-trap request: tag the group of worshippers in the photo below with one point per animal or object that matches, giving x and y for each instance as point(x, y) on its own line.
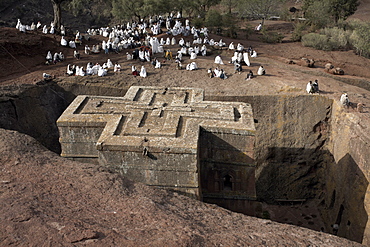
point(93, 69)
point(53, 59)
point(24, 28)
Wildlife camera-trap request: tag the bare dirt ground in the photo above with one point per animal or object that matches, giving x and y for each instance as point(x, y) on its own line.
point(22, 59)
point(46, 200)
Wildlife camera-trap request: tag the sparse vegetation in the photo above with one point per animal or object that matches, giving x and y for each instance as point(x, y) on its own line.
point(297, 34)
point(271, 37)
point(354, 34)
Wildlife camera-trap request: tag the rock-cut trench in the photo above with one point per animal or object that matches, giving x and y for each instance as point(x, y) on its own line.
point(298, 150)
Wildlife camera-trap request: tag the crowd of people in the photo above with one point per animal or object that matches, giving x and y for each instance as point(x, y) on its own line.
point(140, 37)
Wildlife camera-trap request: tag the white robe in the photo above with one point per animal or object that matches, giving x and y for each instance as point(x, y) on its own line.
point(254, 54)
point(49, 56)
point(143, 72)
point(231, 46)
point(218, 60)
point(72, 44)
point(246, 59)
point(117, 67)
point(308, 87)
point(193, 55)
point(344, 100)
point(102, 71)
point(109, 64)
point(157, 65)
point(260, 71)
point(63, 41)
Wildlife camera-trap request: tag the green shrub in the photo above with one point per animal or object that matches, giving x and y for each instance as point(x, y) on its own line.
point(338, 37)
point(248, 31)
point(298, 31)
point(317, 41)
point(198, 22)
point(360, 39)
point(271, 37)
point(213, 19)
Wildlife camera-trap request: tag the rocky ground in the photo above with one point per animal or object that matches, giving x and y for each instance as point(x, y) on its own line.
point(47, 200)
point(50, 201)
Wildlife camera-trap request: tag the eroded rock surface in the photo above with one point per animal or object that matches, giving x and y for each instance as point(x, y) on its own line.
point(48, 200)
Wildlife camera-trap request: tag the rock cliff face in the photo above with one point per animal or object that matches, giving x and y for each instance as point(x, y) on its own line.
point(307, 147)
point(346, 199)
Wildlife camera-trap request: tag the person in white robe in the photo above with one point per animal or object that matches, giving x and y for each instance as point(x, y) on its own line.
point(102, 71)
point(77, 71)
point(181, 42)
point(95, 69)
point(63, 41)
point(234, 58)
point(18, 24)
point(309, 87)
point(23, 28)
point(141, 55)
point(179, 55)
point(221, 44)
point(193, 55)
point(217, 72)
point(192, 66)
point(62, 30)
point(211, 42)
point(173, 41)
point(246, 59)
point(109, 64)
point(254, 53)
point(72, 44)
point(203, 50)
point(143, 72)
point(70, 69)
point(231, 46)
point(128, 56)
point(87, 50)
point(258, 27)
point(157, 64)
point(239, 47)
point(147, 55)
point(81, 72)
point(183, 50)
point(38, 25)
point(344, 100)
point(89, 69)
point(61, 56)
point(52, 29)
point(45, 29)
point(117, 68)
point(56, 58)
point(190, 50)
point(218, 60)
point(261, 71)
point(49, 57)
point(168, 41)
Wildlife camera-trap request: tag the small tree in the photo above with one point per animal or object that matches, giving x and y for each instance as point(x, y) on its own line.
point(259, 8)
point(57, 13)
point(341, 9)
point(213, 19)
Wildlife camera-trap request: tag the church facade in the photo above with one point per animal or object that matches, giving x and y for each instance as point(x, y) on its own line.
point(168, 138)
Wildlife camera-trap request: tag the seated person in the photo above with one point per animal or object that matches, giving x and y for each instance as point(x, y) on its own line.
point(249, 75)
